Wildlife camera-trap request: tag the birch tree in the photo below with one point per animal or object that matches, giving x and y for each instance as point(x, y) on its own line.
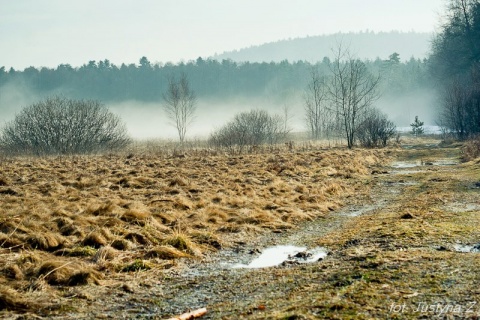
point(180, 102)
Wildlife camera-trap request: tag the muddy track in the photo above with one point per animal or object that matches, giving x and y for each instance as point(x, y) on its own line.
point(212, 283)
point(230, 293)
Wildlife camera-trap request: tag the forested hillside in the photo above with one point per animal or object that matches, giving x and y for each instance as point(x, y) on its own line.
point(366, 45)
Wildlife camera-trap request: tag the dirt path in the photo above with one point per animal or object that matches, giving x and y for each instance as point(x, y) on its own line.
point(390, 255)
point(216, 284)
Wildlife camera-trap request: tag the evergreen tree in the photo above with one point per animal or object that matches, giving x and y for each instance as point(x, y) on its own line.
point(417, 127)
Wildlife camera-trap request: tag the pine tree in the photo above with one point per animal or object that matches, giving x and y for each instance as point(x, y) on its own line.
point(417, 127)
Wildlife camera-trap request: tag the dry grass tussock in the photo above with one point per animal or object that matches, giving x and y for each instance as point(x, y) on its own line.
point(71, 221)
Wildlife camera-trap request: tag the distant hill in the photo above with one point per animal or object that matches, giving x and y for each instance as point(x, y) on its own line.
point(365, 45)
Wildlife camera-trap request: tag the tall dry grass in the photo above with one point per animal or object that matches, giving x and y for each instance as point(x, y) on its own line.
point(71, 221)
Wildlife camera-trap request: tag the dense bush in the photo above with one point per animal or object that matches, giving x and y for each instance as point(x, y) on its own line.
point(252, 128)
point(471, 149)
point(375, 130)
point(62, 126)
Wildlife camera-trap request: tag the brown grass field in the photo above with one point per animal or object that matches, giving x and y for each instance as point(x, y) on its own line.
point(76, 230)
point(92, 220)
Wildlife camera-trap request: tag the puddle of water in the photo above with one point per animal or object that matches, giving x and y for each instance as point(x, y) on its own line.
point(467, 248)
point(408, 165)
point(400, 183)
point(274, 256)
point(445, 163)
point(405, 171)
point(404, 164)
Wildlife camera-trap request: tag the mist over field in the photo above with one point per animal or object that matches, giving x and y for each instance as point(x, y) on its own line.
point(402, 109)
point(13, 97)
point(148, 120)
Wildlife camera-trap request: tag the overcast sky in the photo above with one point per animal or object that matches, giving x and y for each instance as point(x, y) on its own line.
point(50, 32)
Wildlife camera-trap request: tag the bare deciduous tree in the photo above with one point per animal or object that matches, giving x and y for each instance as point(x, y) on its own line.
point(316, 111)
point(180, 104)
point(59, 125)
point(352, 90)
point(461, 108)
point(286, 118)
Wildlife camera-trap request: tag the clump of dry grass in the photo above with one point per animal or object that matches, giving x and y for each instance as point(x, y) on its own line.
point(13, 272)
point(166, 252)
point(182, 242)
point(95, 239)
point(105, 254)
point(122, 244)
point(46, 241)
point(12, 300)
point(80, 251)
point(57, 272)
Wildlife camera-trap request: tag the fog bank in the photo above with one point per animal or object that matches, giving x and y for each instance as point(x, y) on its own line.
point(149, 120)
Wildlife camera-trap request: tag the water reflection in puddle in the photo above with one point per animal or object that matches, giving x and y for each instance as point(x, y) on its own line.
point(402, 164)
point(407, 165)
point(274, 256)
point(401, 167)
point(467, 248)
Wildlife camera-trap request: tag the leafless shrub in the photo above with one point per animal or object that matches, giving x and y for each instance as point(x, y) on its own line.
point(252, 128)
point(64, 126)
point(375, 130)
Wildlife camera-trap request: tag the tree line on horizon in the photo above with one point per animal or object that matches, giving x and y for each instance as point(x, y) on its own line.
point(145, 81)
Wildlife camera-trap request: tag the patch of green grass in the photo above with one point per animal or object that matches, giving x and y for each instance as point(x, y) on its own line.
point(137, 265)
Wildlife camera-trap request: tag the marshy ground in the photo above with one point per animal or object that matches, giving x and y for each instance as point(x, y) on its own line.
point(151, 236)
